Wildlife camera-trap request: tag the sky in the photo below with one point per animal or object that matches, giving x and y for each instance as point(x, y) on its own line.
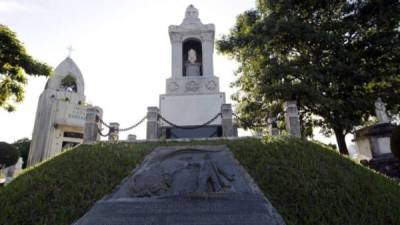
point(122, 48)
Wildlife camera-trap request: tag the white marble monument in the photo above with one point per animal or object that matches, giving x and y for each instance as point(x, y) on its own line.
point(61, 113)
point(374, 141)
point(192, 92)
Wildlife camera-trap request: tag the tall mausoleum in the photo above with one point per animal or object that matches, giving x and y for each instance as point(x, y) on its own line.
point(61, 114)
point(192, 92)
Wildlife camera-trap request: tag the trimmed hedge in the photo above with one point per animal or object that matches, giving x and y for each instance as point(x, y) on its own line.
point(306, 182)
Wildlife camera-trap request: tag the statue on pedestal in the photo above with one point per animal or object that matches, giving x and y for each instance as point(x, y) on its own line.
point(380, 110)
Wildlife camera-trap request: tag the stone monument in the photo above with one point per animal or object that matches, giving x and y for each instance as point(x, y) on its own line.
point(61, 113)
point(373, 142)
point(189, 185)
point(192, 92)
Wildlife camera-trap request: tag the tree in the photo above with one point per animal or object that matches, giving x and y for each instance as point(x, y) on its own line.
point(14, 63)
point(334, 57)
point(9, 155)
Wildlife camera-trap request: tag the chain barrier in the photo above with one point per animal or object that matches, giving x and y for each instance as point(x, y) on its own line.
point(101, 134)
point(112, 129)
point(134, 125)
point(192, 127)
point(102, 122)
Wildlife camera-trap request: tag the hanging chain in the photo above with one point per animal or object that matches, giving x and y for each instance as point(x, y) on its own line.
point(101, 134)
point(134, 125)
point(102, 122)
point(191, 127)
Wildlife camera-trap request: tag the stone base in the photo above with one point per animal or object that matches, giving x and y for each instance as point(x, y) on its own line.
point(374, 141)
point(191, 210)
point(192, 185)
point(386, 164)
point(191, 110)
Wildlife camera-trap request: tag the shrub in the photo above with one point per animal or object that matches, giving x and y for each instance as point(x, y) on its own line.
point(9, 154)
point(395, 142)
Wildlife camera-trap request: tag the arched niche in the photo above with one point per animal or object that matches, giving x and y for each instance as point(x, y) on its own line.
point(187, 45)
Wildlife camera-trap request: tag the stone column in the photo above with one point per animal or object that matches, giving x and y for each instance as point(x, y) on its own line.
point(152, 123)
point(177, 66)
point(114, 133)
point(92, 124)
point(227, 123)
point(131, 137)
point(208, 48)
point(292, 118)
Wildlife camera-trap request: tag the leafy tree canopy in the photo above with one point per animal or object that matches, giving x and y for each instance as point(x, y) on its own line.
point(14, 64)
point(335, 57)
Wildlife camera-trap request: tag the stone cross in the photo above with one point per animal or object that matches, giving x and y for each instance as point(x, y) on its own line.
point(70, 50)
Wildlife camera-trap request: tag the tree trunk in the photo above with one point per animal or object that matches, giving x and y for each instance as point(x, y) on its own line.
point(341, 141)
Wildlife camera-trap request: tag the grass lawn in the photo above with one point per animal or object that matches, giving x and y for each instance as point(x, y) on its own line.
point(308, 183)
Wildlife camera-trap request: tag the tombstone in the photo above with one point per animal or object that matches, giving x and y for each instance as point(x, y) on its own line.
point(185, 186)
point(61, 113)
point(292, 119)
point(374, 141)
point(192, 92)
point(92, 124)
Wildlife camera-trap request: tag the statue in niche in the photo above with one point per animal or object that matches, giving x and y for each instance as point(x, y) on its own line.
point(192, 67)
point(380, 110)
point(192, 57)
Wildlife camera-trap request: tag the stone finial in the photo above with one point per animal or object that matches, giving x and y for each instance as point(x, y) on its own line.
point(191, 15)
point(191, 12)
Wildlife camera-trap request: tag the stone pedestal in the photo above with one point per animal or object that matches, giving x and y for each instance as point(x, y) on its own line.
point(193, 69)
point(114, 133)
point(152, 123)
point(292, 118)
point(131, 137)
point(92, 124)
point(227, 123)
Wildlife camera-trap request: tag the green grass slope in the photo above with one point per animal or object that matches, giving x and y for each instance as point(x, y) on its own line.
point(306, 182)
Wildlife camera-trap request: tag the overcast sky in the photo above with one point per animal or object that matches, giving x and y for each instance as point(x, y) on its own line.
point(121, 46)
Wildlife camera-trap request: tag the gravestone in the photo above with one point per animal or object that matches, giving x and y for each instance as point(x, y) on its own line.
point(195, 185)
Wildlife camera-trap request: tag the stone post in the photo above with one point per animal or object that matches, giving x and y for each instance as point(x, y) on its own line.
point(114, 133)
point(227, 123)
point(152, 123)
point(273, 126)
point(292, 118)
point(92, 124)
point(131, 137)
